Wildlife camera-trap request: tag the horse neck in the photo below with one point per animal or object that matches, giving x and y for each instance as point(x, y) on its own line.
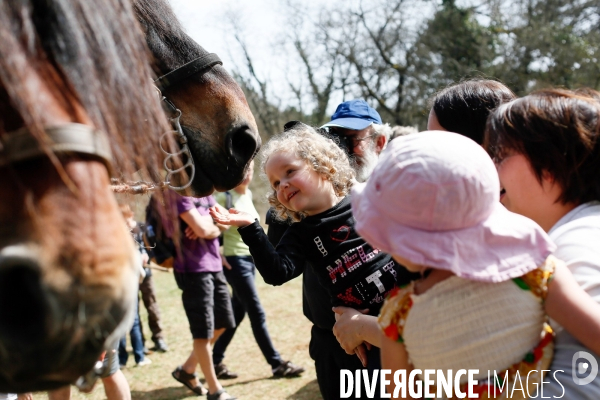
point(169, 44)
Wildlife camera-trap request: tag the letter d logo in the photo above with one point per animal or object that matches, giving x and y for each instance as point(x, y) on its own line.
point(582, 367)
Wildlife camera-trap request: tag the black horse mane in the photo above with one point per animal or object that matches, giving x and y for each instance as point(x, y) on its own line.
point(165, 36)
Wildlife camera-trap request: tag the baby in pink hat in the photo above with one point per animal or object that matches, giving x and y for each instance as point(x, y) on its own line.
point(489, 281)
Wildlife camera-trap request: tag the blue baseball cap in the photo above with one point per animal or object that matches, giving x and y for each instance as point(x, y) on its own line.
point(355, 115)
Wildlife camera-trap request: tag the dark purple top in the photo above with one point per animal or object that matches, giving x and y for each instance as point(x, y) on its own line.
point(199, 255)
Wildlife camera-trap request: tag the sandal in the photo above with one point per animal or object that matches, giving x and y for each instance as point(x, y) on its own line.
point(183, 377)
point(217, 395)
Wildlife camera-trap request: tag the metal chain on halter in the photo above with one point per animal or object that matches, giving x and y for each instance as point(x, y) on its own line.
point(198, 66)
point(185, 149)
point(143, 187)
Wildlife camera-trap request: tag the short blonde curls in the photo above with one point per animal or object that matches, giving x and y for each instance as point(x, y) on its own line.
point(322, 153)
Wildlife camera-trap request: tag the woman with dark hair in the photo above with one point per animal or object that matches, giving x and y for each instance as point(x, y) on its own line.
point(546, 147)
point(464, 107)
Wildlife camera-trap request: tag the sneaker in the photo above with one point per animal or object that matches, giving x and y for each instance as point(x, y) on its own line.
point(223, 373)
point(145, 361)
point(287, 370)
point(160, 345)
point(146, 351)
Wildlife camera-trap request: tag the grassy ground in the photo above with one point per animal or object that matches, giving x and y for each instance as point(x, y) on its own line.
point(289, 330)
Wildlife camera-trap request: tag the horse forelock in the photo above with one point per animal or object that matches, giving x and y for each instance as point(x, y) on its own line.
point(171, 46)
point(87, 53)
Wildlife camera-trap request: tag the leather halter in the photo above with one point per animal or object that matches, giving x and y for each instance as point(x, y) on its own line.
point(76, 138)
point(202, 63)
point(21, 145)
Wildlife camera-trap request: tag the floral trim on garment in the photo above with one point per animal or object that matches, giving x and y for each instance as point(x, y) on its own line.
point(392, 316)
point(537, 281)
point(396, 308)
point(394, 311)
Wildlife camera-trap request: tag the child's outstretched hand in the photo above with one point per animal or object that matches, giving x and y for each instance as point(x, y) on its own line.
point(231, 217)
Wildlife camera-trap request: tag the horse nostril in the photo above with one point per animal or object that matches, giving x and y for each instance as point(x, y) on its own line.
point(22, 305)
point(242, 144)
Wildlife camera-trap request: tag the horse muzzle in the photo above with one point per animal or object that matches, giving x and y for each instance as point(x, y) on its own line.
point(50, 336)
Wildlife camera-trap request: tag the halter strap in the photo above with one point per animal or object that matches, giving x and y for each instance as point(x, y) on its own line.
point(21, 145)
point(185, 71)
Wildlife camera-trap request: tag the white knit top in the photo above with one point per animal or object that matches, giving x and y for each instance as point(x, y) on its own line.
point(462, 324)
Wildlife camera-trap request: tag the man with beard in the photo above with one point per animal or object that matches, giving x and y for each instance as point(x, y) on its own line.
point(364, 133)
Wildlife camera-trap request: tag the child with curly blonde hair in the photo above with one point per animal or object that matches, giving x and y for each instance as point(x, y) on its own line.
point(311, 177)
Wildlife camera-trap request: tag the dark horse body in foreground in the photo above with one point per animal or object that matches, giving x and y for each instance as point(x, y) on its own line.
point(75, 86)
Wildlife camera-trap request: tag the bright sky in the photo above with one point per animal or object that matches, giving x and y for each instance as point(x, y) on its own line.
point(207, 22)
point(262, 21)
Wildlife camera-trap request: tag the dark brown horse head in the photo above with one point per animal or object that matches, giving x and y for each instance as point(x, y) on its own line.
point(68, 265)
point(216, 119)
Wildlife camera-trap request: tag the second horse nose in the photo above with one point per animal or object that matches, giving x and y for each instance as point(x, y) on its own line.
point(242, 144)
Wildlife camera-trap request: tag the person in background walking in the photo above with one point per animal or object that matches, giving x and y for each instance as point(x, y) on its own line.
point(198, 271)
point(149, 299)
point(240, 272)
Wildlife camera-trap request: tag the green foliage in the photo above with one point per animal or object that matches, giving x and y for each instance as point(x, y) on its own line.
point(548, 43)
point(457, 41)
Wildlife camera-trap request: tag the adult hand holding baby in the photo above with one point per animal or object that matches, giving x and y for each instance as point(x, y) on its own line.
point(347, 327)
point(347, 330)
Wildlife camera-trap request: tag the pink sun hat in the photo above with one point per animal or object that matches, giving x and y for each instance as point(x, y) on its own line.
point(433, 199)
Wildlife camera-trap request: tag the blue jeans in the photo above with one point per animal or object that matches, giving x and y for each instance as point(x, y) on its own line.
point(136, 341)
point(244, 300)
